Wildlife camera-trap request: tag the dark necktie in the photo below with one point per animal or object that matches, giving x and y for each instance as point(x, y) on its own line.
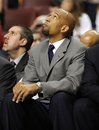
point(50, 52)
point(13, 63)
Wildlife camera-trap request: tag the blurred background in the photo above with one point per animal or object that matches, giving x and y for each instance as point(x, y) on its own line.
point(23, 12)
point(27, 12)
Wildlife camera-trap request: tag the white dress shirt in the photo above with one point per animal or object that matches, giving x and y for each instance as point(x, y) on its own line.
point(56, 45)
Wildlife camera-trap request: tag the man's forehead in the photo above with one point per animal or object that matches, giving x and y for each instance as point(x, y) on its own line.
point(14, 29)
point(60, 11)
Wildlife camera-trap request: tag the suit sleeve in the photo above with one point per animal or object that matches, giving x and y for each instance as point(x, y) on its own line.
point(71, 81)
point(90, 82)
point(30, 73)
point(7, 79)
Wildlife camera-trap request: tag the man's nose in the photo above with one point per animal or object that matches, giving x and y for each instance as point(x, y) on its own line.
point(6, 35)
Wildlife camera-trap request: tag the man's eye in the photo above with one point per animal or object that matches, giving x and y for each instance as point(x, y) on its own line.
point(55, 17)
point(12, 33)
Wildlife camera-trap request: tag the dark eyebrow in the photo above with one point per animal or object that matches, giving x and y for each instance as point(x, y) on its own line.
point(11, 31)
point(57, 14)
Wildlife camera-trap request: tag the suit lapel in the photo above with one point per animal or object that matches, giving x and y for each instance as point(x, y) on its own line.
point(59, 53)
point(22, 63)
point(44, 57)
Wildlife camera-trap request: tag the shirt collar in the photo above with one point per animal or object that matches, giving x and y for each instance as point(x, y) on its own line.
point(57, 44)
point(17, 60)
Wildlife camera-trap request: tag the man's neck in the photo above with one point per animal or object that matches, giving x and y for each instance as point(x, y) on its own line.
point(55, 39)
point(15, 55)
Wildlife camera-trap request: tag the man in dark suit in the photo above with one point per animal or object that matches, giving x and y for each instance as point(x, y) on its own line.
point(53, 73)
point(86, 109)
point(7, 80)
point(17, 42)
point(7, 77)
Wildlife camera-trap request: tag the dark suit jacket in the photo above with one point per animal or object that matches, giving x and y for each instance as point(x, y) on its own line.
point(3, 54)
point(7, 77)
point(90, 81)
point(21, 66)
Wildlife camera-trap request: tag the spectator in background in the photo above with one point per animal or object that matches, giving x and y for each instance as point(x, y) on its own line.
point(37, 25)
point(1, 37)
point(90, 38)
point(97, 19)
point(37, 38)
point(39, 21)
point(17, 42)
point(91, 9)
point(83, 22)
point(14, 4)
point(54, 4)
point(2, 13)
point(21, 3)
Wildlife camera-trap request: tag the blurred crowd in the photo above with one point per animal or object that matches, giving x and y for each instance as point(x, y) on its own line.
point(86, 13)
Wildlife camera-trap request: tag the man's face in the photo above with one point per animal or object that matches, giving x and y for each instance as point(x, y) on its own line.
point(54, 23)
point(12, 39)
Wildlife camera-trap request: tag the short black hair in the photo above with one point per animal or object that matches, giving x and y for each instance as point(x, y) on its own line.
point(27, 33)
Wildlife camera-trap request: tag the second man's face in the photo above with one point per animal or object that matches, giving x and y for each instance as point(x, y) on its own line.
point(12, 39)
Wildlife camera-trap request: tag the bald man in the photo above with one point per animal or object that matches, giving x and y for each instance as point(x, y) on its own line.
point(54, 72)
point(90, 38)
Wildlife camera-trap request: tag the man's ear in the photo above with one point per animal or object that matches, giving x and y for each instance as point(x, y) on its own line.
point(64, 28)
point(23, 42)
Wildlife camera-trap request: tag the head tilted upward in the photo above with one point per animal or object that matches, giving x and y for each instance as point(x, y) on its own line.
point(59, 24)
